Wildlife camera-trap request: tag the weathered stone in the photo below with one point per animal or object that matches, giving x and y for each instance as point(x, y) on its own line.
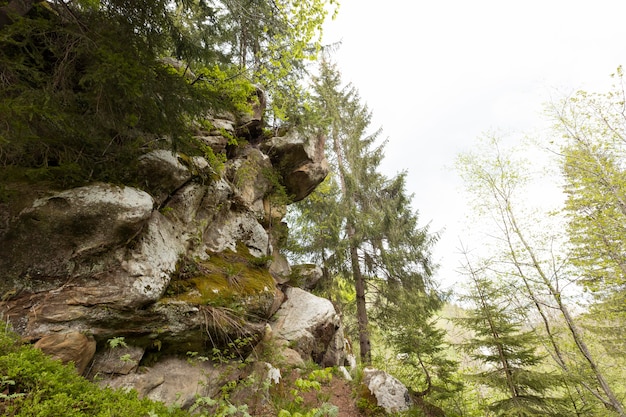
point(279, 298)
point(300, 159)
point(69, 347)
point(223, 123)
point(151, 262)
point(306, 276)
point(57, 234)
point(390, 393)
point(238, 227)
point(117, 360)
point(176, 381)
point(279, 268)
point(162, 173)
point(291, 357)
point(335, 352)
point(344, 373)
point(302, 181)
point(249, 174)
point(217, 143)
point(310, 324)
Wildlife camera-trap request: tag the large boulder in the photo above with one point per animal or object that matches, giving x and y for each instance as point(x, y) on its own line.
point(390, 394)
point(57, 235)
point(306, 276)
point(162, 173)
point(300, 159)
point(311, 326)
point(72, 347)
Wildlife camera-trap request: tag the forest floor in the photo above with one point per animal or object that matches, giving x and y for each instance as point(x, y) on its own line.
point(338, 392)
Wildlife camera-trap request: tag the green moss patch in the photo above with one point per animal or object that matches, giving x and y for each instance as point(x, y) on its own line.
point(226, 278)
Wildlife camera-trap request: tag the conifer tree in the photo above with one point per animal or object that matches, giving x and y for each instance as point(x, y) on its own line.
point(85, 87)
point(376, 240)
point(506, 353)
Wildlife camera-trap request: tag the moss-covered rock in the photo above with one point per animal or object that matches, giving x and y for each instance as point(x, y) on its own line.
point(236, 280)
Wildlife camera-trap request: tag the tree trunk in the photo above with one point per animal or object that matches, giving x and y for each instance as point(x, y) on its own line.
point(361, 309)
point(357, 275)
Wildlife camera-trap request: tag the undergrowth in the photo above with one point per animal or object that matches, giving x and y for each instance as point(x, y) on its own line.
point(34, 385)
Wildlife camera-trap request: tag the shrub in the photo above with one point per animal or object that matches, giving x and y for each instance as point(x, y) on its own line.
point(35, 385)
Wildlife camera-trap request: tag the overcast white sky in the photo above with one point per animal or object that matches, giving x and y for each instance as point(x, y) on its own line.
point(436, 74)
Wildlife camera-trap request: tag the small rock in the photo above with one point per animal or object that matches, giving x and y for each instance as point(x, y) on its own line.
point(344, 372)
point(306, 276)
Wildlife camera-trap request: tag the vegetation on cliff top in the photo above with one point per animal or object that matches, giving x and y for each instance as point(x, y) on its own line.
point(88, 86)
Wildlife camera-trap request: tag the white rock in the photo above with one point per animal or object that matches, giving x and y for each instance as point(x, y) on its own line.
point(273, 374)
point(239, 227)
point(312, 326)
point(390, 393)
point(344, 372)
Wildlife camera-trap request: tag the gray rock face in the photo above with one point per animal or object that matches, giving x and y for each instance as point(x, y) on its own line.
point(183, 264)
point(175, 381)
point(163, 173)
point(390, 393)
point(301, 161)
point(306, 276)
point(56, 235)
point(311, 326)
point(121, 360)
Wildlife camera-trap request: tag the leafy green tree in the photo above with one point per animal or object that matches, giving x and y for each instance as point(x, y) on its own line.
point(85, 87)
point(269, 42)
point(84, 90)
point(496, 177)
point(594, 151)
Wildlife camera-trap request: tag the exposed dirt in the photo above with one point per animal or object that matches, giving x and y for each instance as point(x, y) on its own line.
point(338, 392)
point(341, 395)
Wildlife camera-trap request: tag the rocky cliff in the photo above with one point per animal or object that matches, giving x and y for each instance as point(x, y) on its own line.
point(186, 262)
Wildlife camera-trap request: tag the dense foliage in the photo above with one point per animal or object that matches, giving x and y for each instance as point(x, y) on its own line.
point(88, 86)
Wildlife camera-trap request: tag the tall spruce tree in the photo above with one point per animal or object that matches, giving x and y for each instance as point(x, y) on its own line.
point(374, 238)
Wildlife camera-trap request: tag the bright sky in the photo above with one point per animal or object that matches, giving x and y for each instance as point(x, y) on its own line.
point(436, 74)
